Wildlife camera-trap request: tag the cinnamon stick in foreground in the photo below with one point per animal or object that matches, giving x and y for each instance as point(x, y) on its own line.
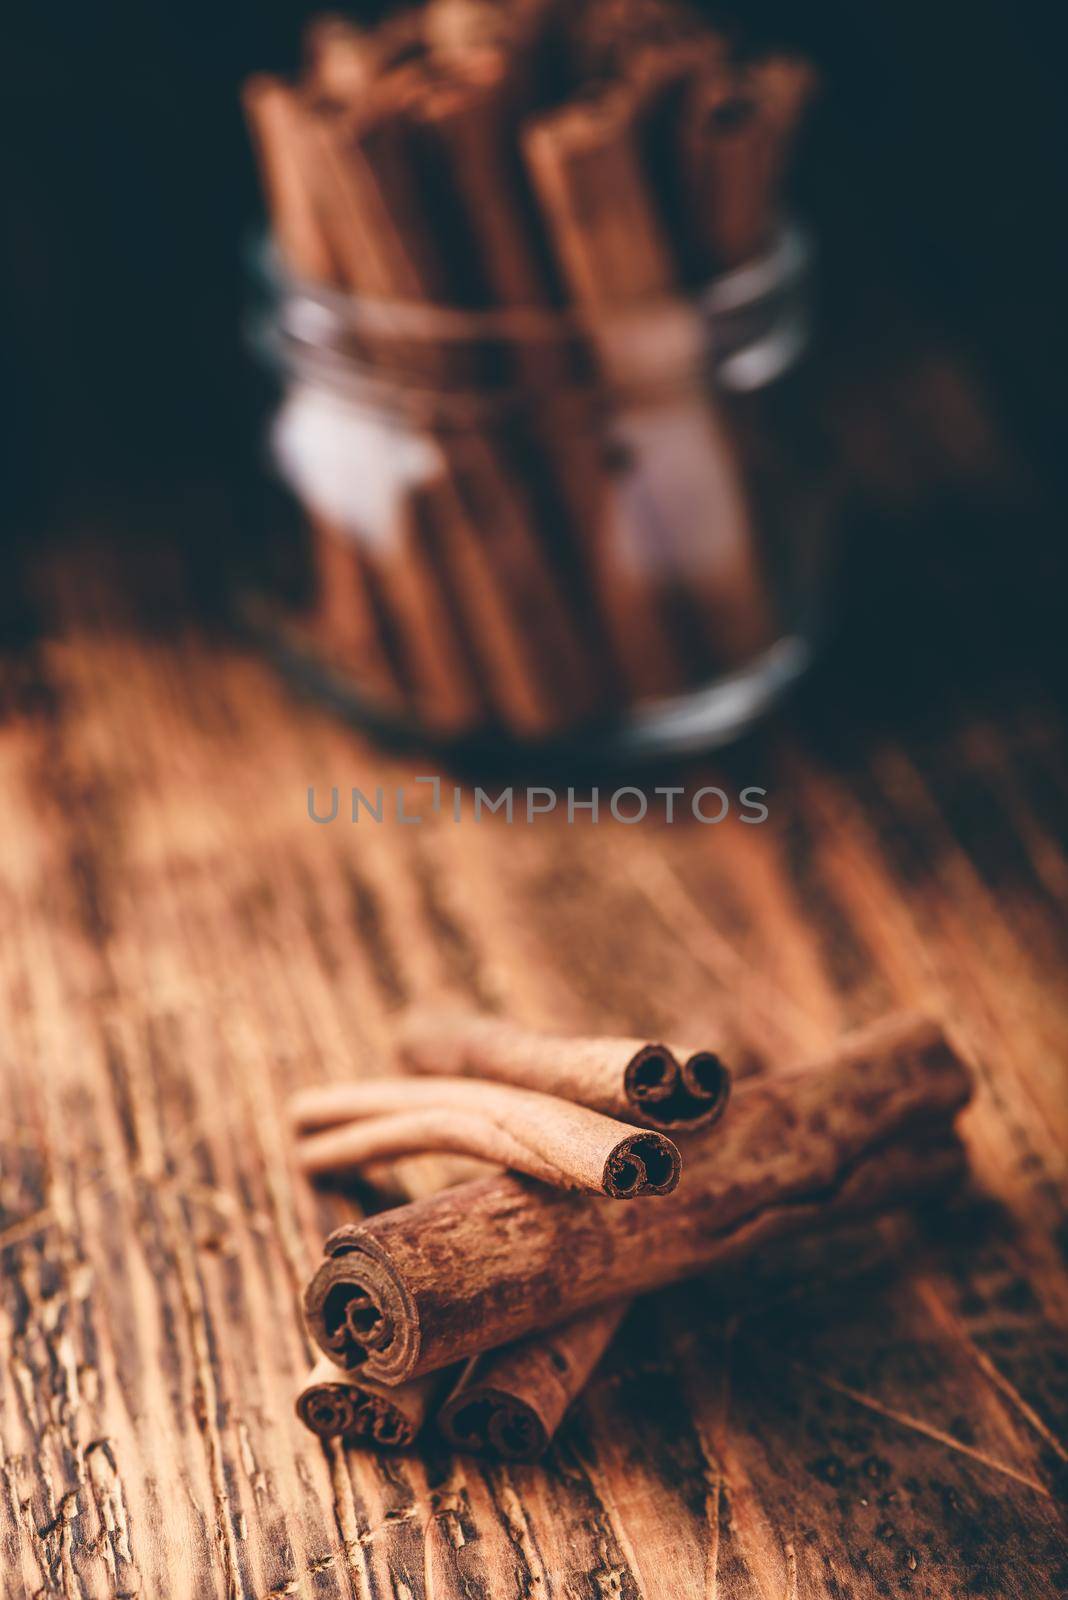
point(646, 1083)
point(548, 1138)
point(336, 1405)
point(868, 1127)
point(510, 1402)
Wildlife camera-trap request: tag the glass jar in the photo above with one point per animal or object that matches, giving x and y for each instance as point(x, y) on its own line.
point(536, 528)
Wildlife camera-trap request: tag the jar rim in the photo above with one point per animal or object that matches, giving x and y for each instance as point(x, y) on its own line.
point(453, 365)
point(785, 260)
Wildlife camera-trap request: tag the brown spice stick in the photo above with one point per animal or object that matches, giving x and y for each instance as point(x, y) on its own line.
point(279, 135)
point(344, 60)
point(626, 1078)
point(734, 143)
point(509, 675)
point(496, 570)
point(680, 486)
point(319, 237)
point(540, 681)
point(445, 694)
point(551, 1139)
point(335, 1404)
point(464, 142)
point(341, 61)
point(607, 35)
point(538, 663)
point(458, 27)
point(469, 118)
point(509, 1403)
point(595, 216)
point(585, 165)
point(349, 622)
point(528, 1386)
point(367, 202)
point(472, 119)
point(495, 1260)
point(367, 194)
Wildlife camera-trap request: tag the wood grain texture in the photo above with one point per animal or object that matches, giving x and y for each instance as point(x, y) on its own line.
point(181, 949)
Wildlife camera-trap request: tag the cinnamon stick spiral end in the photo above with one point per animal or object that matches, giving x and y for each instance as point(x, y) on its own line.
point(358, 1311)
point(668, 1095)
point(644, 1163)
point(328, 1409)
point(347, 1411)
point(486, 1421)
point(708, 1081)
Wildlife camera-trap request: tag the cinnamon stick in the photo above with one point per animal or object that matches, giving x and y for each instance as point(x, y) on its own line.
point(492, 1261)
point(551, 1139)
point(519, 621)
point(280, 139)
point(486, 225)
point(370, 202)
point(361, 156)
point(348, 616)
point(336, 1405)
point(673, 1090)
point(678, 508)
point(446, 697)
point(593, 203)
point(469, 117)
point(417, 169)
point(537, 666)
point(735, 137)
point(457, 27)
point(344, 60)
point(509, 1403)
point(341, 60)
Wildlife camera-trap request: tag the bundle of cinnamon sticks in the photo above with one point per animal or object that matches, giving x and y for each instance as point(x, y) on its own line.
point(490, 1302)
point(525, 501)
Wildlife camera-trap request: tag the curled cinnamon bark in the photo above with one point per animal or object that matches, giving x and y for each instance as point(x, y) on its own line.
point(548, 1138)
point(335, 1405)
point(626, 1078)
point(489, 1262)
point(510, 1403)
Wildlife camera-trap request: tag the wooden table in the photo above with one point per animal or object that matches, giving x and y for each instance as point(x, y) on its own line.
point(180, 947)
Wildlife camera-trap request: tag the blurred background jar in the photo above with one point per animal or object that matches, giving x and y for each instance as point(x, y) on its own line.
point(137, 419)
point(545, 528)
point(541, 333)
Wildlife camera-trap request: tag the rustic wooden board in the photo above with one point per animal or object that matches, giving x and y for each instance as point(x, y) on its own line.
point(180, 947)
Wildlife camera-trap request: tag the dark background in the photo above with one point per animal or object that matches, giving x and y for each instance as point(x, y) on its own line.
point(931, 170)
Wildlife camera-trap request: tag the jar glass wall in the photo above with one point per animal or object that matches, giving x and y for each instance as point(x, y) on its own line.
point(534, 529)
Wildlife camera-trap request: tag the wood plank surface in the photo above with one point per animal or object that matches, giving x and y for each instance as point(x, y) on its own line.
point(180, 947)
